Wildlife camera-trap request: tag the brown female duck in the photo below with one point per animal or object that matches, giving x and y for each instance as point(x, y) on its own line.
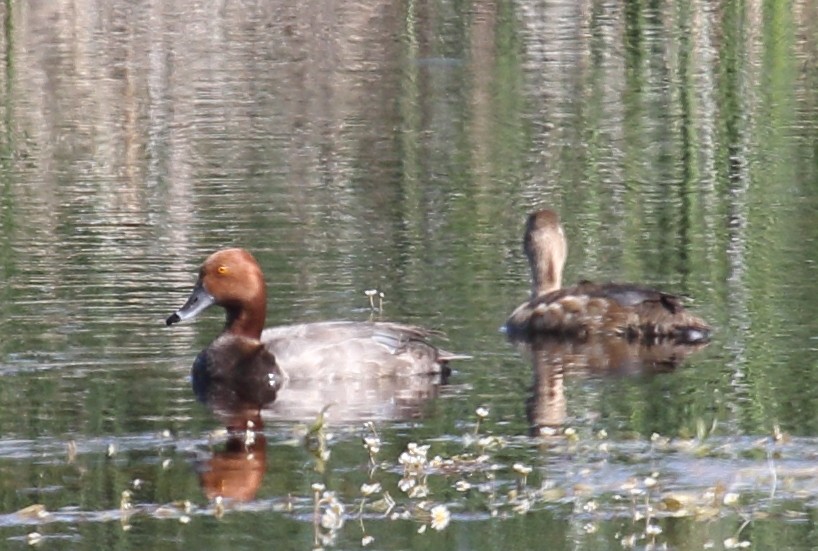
point(247, 364)
point(622, 309)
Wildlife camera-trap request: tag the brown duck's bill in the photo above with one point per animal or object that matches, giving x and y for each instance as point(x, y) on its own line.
point(198, 301)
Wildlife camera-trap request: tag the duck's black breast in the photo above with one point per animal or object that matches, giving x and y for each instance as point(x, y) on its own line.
point(236, 372)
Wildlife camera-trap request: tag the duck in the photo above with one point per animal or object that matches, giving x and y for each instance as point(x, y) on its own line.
point(614, 309)
point(247, 365)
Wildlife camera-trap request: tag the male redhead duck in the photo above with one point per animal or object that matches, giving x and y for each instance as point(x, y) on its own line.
point(251, 363)
point(624, 309)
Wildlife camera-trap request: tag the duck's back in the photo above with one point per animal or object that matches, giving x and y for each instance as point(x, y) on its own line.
point(349, 350)
point(629, 310)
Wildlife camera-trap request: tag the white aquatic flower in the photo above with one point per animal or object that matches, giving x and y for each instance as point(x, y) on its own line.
point(731, 498)
point(330, 520)
point(485, 441)
point(371, 294)
point(366, 540)
point(369, 489)
point(590, 506)
point(462, 486)
point(406, 459)
point(333, 517)
point(406, 484)
point(522, 469)
point(414, 458)
point(416, 450)
point(440, 517)
point(373, 444)
point(419, 491)
point(482, 412)
point(653, 530)
point(318, 487)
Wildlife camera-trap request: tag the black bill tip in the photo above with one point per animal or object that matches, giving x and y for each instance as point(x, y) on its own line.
point(173, 318)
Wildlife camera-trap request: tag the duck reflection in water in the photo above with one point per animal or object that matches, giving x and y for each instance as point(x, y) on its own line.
point(235, 471)
point(597, 356)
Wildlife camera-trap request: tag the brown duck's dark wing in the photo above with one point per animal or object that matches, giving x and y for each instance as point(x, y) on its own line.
point(627, 295)
point(658, 314)
point(622, 309)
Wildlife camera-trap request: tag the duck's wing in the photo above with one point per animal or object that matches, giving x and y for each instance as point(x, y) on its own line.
point(628, 295)
point(658, 314)
point(348, 350)
point(623, 309)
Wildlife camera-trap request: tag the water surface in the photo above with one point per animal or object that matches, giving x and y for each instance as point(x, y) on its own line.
point(399, 147)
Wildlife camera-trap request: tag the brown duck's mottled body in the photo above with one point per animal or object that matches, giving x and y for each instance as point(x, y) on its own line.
point(622, 309)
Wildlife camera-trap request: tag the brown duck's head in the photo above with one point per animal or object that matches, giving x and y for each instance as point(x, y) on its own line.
point(232, 279)
point(546, 248)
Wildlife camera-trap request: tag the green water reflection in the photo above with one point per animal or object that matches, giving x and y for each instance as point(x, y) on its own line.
point(354, 146)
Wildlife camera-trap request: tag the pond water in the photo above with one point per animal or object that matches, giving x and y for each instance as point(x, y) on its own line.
point(399, 146)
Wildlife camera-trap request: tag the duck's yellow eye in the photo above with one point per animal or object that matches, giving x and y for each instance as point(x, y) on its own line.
point(222, 270)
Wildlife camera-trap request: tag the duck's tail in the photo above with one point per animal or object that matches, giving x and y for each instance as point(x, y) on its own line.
point(693, 334)
point(681, 327)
